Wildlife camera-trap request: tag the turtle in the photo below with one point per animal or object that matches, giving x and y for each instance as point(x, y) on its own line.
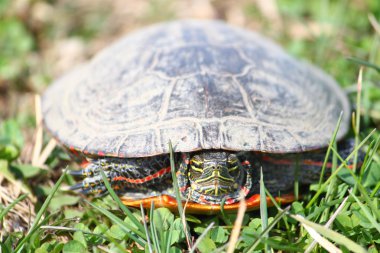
point(232, 102)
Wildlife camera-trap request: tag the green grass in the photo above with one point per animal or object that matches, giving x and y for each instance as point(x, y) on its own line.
point(341, 211)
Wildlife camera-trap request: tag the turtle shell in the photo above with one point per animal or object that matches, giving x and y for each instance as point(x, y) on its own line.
point(200, 84)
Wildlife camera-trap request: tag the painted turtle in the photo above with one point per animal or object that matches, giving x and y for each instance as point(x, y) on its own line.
point(230, 101)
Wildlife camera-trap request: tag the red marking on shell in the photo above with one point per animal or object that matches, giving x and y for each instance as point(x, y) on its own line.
point(73, 150)
point(145, 179)
point(185, 159)
point(311, 162)
point(245, 162)
point(302, 162)
point(230, 201)
point(84, 163)
point(203, 200)
point(245, 190)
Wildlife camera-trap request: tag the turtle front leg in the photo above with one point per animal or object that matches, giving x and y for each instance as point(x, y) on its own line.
point(125, 175)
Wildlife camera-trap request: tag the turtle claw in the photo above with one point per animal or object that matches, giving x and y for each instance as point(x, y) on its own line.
point(76, 187)
point(77, 173)
point(98, 189)
point(92, 169)
point(92, 182)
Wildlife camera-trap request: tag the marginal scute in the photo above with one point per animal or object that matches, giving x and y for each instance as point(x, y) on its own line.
point(211, 134)
point(139, 143)
point(200, 85)
point(182, 136)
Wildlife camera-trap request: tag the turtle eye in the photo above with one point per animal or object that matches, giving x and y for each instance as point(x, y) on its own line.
point(233, 165)
point(196, 167)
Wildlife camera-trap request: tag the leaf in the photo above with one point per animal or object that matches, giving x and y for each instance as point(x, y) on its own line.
point(129, 220)
point(9, 152)
point(26, 170)
point(297, 208)
point(372, 175)
point(345, 175)
point(15, 44)
point(116, 232)
point(100, 229)
point(42, 249)
point(61, 200)
point(166, 218)
point(58, 248)
point(51, 246)
point(11, 140)
point(4, 171)
point(174, 250)
point(81, 226)
point(78, 236)
point(73, 213)
point(11, 132)
point(255, 224)
point(74, 247)
point(178, 235)
point(218, 234)
point(345, 221)
point(206, 245)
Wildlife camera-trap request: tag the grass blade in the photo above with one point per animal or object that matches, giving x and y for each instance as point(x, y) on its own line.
point(263, 209)
point(223, 214)
point(178, 197)
point(335, 173)
point(362, 190)
point(153, 230)
point(332, 141)
point(237, 226)
point(367, 213)
point(357, 117)
point(322, 241)
point(126, 211)
point(146, 229)
point(11, 205)
point(328, 223)
point(364, 63)
point(330, 234)
point(40, 213)
point(169, 239)
point(123, 225)
point(276, 219)
point(200, 238)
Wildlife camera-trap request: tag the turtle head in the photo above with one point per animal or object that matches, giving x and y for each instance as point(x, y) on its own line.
point(213, 176)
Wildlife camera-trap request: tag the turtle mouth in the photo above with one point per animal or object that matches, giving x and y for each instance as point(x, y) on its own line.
point(218, 186)
point(202, 198)
point(215, 189)
point(218, 189)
